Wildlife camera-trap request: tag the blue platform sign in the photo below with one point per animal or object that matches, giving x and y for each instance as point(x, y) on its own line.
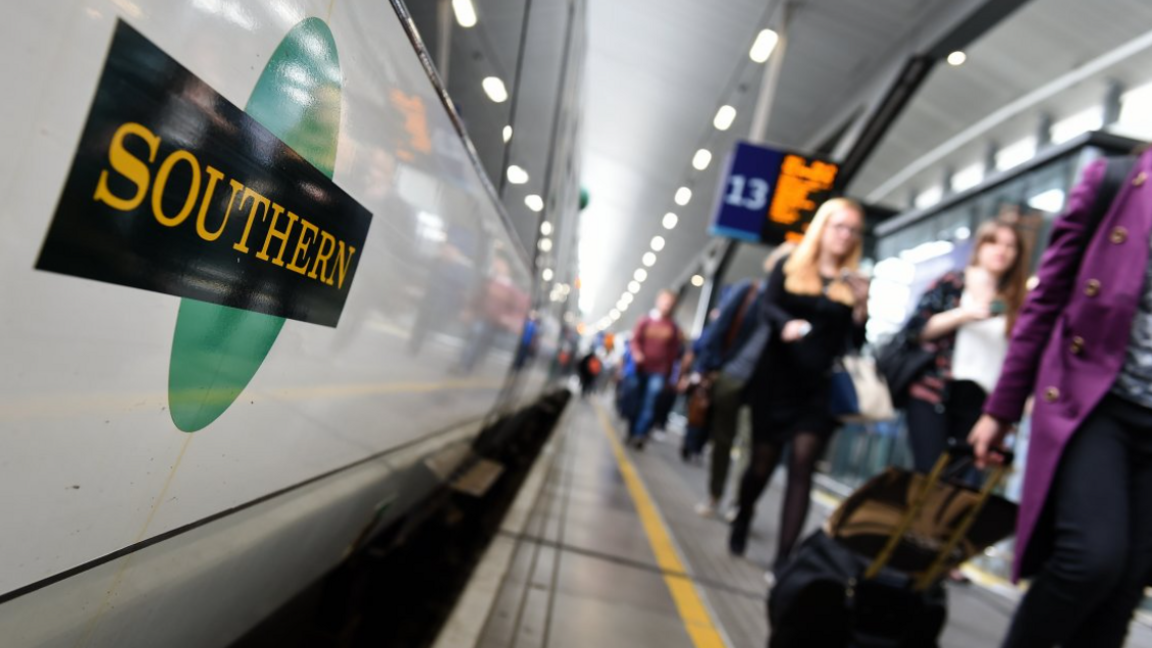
point(769, 195)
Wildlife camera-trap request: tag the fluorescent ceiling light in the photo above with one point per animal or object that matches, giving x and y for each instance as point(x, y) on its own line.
point(701, 159)
point(640, 275)
point(507, 134)
point(465, 12)
point(957, 58)
point(535, 203)
point(657, 243)
point(724, 117)
point(765, 42)
point(670, 220)
point(495, 89)
point(649, 259)
point(516, 175)
point(697, 280)
point(683, 195)
point(633, 287)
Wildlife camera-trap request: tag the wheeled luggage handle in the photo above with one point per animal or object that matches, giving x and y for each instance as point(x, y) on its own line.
point(955, 449)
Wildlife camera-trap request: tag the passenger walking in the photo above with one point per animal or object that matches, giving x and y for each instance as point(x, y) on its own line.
point(656, 345)
point(817, 306)
point(730, 349)
point(966, 318)
point(1084, 342)
point(588, 371)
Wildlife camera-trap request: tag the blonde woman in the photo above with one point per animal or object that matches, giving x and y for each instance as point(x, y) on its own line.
point(816, 304)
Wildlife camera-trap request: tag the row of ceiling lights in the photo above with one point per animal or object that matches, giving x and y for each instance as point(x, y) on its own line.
point(725, 116)
point(496, 90)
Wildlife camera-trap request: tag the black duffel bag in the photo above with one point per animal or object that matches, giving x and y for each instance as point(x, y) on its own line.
point(901, 361)
point(820, 601)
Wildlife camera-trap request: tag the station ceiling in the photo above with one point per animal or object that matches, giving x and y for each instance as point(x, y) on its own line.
point(658, 70)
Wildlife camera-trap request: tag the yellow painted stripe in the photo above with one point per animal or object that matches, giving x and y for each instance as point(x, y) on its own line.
point(696, 617)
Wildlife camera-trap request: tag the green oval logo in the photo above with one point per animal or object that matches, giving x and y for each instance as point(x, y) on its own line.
point(216, 350)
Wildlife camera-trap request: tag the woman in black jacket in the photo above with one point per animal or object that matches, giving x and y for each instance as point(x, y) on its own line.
point(817, 306)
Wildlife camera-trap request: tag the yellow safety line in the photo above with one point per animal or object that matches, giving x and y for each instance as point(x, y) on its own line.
point(696, 617)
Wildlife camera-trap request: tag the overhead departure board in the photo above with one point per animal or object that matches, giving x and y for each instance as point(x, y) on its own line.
point(770, 195)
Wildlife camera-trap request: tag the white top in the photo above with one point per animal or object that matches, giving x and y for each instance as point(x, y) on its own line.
point(980, 349)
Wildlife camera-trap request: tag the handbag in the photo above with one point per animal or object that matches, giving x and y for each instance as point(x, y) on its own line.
point(699, 404)
point(902, 361)
point(859, 393)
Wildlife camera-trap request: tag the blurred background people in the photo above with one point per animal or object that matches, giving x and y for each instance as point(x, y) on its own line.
point(656, 344)
point(730, 348)
point(965, 317)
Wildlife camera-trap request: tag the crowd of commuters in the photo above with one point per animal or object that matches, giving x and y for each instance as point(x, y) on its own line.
point(1079, 342)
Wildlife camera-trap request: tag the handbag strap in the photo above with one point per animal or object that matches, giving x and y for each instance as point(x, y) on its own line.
point(738, 320)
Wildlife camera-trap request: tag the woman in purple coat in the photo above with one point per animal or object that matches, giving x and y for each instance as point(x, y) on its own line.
point(1083, 347)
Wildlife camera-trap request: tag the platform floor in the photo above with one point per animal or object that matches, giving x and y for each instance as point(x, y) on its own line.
point(612, 554)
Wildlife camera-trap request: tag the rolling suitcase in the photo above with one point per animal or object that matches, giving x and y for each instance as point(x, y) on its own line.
point(872, 577)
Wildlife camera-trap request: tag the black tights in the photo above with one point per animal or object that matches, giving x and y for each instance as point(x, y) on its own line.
point(806, 450)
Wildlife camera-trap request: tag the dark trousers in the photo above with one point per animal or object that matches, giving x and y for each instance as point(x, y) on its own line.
point(727, 399)
point(1101, 508)
point(931, 426)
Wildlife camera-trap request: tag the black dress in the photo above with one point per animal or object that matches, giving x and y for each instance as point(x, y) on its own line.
point(791, 389)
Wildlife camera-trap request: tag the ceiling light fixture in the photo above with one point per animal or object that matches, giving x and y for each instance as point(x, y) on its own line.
point(633, 287)
point(547, 274)
point(545, 228)
point(495, 89)
point(957, 58)
point(697, 280)
point(640, 275)
point(516, 175)
point(670, 220)
point(724, 118)
point(701, 159)
point(534, 202)
point(762, 48)
point(657, 243)
point(545, 245)
point(649, 259)
point(507, 134)
point(465, 13)
point(683, 195)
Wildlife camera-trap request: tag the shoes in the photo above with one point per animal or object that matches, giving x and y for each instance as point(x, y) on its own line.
point(738, 536)
point(707, 509)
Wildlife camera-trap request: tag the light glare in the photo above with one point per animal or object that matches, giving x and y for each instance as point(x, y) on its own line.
point(534, 202)
point(670, 220)
point(683, 195)
point(465, 13)
point(701, 159)
point(657, 243)
point(495, 89)
point(724, 117)
point(516, 175)
point(649, 259)
point(762, 48)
